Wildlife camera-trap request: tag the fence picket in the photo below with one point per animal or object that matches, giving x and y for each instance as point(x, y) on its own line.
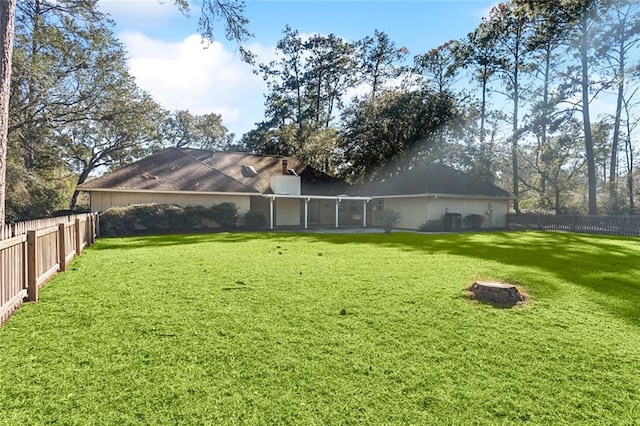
point(25, 267)
point(604, 225)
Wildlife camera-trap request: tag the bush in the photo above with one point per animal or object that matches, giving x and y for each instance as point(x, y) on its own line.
point(161, 218)
point(472, 221)
point(436, 225)
point(225, 214)
point(254, 220)
point(389, 219)
point(197, 217)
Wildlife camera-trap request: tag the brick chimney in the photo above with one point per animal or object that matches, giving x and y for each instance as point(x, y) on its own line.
point(285, 168)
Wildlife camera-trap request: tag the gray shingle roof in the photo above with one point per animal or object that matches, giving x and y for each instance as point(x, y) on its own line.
point(431, 179)
point(195, 170)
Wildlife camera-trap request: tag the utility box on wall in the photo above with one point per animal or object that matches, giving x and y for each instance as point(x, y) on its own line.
point(452, 222)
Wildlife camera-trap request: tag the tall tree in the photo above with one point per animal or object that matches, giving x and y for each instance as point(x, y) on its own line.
point(393, 134)
point(307, 84)
point(284, 77)
point(228, 11)
point(584, 15)
point(439, 67)
point(477, 54)
point(631, 124)
point(544, 117)
point(183, 129)
point(439, 70)
point(511, 27)
point(125, 127)
point(617, 44)
point(329, 72)
point(52, 56)
point(379, 58)
point(560, 162)
point(7, 22)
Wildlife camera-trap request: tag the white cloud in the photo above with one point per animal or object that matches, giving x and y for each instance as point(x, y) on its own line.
point(190, 75)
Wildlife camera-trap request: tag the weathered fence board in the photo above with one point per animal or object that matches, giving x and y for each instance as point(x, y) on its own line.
point(13, 279)
point(604, 225)
point(34, 255)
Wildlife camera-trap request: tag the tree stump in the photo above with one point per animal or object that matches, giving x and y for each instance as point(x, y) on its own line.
point(499, 294)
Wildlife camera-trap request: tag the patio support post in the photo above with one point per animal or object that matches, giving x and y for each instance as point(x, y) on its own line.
point(364, 213)
point(337, 208)
point(306, 212)
point(271, 210)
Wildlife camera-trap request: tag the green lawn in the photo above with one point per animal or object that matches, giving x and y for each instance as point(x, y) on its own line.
point(330, 329)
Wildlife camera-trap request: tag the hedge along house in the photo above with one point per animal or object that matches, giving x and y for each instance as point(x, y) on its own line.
point(429, 194)
point(287, 192)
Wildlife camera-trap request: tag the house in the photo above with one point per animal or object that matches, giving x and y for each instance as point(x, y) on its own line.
point(290, 193)
point(428, 193)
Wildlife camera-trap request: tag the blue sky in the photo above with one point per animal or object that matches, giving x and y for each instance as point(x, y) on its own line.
point(168, 59)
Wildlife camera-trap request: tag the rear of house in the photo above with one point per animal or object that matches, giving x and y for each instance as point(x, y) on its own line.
point(434, 196)
point(290, 193)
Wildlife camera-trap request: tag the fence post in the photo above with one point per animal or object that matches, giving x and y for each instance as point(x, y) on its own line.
point(62, 247)
point(90, 225)
point(97, 225)
point(78, 239)
point(32, 266)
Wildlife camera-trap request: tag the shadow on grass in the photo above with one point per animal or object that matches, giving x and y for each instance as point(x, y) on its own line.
point(603, 264)
point(606, 265)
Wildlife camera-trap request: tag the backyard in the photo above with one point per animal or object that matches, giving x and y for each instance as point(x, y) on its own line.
point(275, 328)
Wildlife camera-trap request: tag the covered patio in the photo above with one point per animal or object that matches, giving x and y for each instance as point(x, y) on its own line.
point(337, 199)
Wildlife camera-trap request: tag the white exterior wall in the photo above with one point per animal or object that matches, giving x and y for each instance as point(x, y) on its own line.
point(416, 211)
point(101, 201)
point(493, 211)
point(285, 184)
point(413, 211)
point(287, 212)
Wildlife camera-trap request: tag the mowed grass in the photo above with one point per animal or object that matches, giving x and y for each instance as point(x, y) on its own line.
point(330, 329)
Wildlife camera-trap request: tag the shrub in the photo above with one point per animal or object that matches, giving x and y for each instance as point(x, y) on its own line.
point(225, 214)
point(141, 218)
point(436, 225)
point(472, 221)
point(161, 218)
point(197, 217)
point(389, 219)
point(254, 220)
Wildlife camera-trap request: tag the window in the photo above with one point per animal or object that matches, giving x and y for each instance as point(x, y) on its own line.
point(378, 204)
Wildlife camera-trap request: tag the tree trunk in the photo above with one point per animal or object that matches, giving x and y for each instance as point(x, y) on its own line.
point(7, 23)
point(629, 158)
point(546, 112)
point(586, 119)
point(483, 108)
point(616, 125)
point(514, 138)
point(81, 179)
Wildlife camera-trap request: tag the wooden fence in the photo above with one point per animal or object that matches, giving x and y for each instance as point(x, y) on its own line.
point(605, 225)
point(30, 258)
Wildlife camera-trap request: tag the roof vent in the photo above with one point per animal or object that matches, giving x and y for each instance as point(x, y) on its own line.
point(291, 172)
point(147, 175)
point(249, 171)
